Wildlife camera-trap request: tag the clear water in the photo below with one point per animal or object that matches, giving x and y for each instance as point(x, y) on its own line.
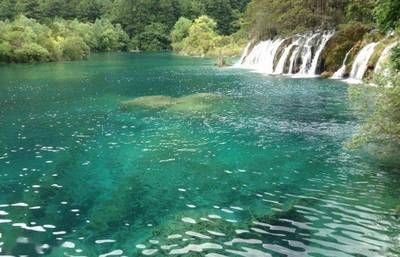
point(261, 172)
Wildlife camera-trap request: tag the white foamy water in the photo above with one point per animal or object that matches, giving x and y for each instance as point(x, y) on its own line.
point(339, 74)
point(360, 64)
point(301, 56)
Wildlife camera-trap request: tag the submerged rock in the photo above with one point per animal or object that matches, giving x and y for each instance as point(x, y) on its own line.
point(195, 102)
point(192, 103)
point(156, 102)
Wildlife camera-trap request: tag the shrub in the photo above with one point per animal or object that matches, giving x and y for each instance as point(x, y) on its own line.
point(395, 58)
point(179, 33)
point(30, 52)
point(154, 38)
point(74, 48)
point(26, 40)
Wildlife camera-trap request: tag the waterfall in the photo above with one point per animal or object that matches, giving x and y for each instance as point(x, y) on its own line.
point(262, 57)
point(305, 49)
point(268, 65)
point(360, 64)
point(244, 55)
point(306, 56)
point(339, 74)
point(314, 64)
point(256, 55)
point(379, 67)
point(282, 61)
point(293, 58)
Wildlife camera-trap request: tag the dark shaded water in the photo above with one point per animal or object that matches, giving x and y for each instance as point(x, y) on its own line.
point(258, 171)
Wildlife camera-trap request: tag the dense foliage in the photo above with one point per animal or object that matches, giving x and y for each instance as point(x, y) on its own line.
point(154, 25)
point(147, 22)
point(26, 40)
point(200, 38)
point(267, 18)
point(381, 131)
point(387, 13)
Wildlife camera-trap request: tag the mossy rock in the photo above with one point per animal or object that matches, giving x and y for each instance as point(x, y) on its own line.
point(374, 59)
point(326, 74)
point(198, 102)
point(154, 102)
point(340, 44)
point(195, 103)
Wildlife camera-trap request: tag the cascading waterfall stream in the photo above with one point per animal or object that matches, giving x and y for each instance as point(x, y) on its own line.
point(339, 74)
point(244, 55)
point(269, 65)
point(293, 58)
point(360, 64)
point(301, 54)
point(268, 57)
point(314, 65)
point(306, 55)
point(280, 67)
point(380, 65)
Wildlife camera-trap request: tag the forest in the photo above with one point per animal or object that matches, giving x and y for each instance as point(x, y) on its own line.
point(53, 30)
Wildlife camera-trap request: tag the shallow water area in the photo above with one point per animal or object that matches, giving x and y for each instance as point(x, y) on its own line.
point(259, 170)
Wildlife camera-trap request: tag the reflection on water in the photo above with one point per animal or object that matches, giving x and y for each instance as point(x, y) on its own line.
point(258, 170)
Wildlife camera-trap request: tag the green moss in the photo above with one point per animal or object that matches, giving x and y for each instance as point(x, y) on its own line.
point(347, 36)
point(198, 102)
point(326, 74)
point(195, 103)
point(154, 102)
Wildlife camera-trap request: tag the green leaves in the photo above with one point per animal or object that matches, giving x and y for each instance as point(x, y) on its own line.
point(387, 13)
point(267, 18)
point(395, 58)
point(25, 40)
point(200, 38)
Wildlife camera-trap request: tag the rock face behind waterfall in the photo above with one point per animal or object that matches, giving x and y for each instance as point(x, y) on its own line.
point(298, 55)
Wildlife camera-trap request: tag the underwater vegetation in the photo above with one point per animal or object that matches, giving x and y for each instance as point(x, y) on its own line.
point(199, 102)
point(125, 162)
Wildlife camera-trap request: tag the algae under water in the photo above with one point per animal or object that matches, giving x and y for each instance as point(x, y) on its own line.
point(261, 171)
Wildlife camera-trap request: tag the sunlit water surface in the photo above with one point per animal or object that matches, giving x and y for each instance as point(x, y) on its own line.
point(260, 171)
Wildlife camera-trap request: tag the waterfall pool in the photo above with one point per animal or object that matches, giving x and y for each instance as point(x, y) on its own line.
point(161, 155)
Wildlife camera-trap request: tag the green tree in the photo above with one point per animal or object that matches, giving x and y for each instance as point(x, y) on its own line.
point(201, 36)
point(387, 13)
point(381, 130)
point(267, 18)
point(29, 8)
point(395, 58)
point(224, 15)
point(180, 32)
point(74, 48)
point(109, 37)
point(7, 9)
point(360, 10)
point(90, 10)
point(154, 37)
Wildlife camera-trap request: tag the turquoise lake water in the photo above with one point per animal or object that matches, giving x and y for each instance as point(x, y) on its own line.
point(255, 167)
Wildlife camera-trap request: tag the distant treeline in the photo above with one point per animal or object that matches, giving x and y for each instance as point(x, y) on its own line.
point(51, 30)
point(148, 23)
point(26, 40)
